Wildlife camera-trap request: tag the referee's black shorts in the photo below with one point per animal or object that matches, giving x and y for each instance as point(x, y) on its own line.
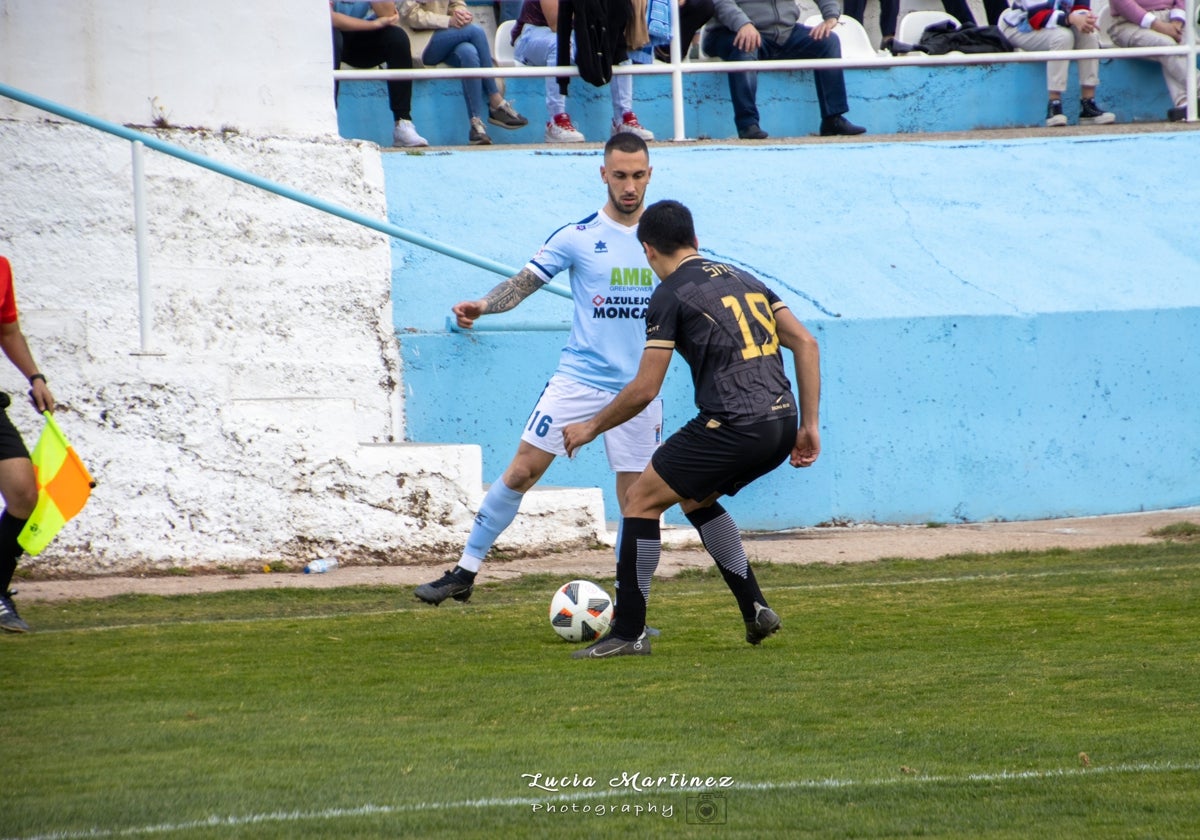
point(706, 457)
point(11, 445)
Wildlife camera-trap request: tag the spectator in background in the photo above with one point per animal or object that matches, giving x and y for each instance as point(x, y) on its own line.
point(535, 43)
point(1051, 25)
point(1156, 23)
point(364, 35)
point(746, 30)
point(460, 42)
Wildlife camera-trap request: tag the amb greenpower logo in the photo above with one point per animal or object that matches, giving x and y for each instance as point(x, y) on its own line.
point(621, 306)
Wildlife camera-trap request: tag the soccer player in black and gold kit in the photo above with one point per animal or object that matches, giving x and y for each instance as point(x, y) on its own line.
point(729, 328)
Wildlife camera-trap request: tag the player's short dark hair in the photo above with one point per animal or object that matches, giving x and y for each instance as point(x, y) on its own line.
point(666, 226)
point(623, 141)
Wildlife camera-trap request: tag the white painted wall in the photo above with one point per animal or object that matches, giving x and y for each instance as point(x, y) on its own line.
point(260, 67)
point(274, 360)
point(267, 421)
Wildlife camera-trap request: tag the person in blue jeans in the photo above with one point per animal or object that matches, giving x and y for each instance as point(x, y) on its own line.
point(460, 42)
point(767, 30)
point(364, 35)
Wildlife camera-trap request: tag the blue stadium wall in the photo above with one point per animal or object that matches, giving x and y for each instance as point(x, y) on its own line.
point(1008, 327)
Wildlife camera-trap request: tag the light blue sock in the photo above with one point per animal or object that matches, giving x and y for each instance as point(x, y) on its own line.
point(499, 508)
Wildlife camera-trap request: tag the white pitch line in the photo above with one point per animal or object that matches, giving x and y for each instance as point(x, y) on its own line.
point(799, 587)
point(479, 804)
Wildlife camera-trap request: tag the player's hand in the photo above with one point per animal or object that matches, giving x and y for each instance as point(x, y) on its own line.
point(41, 397)
point(823, 29)
point(748, 39)
point(576, 435)
point(807, 448)
point(388, 20)
point(467, 312)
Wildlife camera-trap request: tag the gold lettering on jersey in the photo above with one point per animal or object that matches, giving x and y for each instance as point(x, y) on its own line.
point(715, 269)
point(760, 309)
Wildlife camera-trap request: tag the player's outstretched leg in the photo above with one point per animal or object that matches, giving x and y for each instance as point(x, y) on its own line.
point(723, 541)
point(496, 512)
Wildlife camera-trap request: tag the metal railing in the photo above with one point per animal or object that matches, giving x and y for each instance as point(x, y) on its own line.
point(677, 67)
point(140, 141)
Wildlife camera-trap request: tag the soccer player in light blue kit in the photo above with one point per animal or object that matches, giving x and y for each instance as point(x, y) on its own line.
point(611, 285)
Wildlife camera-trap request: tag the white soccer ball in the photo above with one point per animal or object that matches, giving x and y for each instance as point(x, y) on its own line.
point(581, 611)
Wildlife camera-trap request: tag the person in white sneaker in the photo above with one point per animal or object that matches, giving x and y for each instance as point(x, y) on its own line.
point(460, 42)
point(18, 484)
point(366, 35)
point(535, 44)
point(1035, 25)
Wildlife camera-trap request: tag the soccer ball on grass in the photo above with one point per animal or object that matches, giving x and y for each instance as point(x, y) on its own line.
point(581, 611)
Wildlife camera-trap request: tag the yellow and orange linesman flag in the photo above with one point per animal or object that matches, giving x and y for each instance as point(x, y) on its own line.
point(64, 485)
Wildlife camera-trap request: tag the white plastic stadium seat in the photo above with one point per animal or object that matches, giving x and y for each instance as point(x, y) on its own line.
point(855, 41)
point(912, 25)
point(502, 48)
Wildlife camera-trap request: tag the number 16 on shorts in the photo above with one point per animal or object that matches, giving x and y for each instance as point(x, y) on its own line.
point(539, 423)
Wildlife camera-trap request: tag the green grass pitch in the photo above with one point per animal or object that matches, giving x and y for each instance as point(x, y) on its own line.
point(999, 696)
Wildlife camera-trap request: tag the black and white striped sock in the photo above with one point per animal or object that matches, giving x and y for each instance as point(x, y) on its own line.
point(723, 541)
point(639, 547)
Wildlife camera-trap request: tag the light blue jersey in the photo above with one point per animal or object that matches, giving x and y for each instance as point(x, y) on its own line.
point(611, 286)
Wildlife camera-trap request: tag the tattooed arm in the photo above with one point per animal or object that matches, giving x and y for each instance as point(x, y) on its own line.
point(500, 299)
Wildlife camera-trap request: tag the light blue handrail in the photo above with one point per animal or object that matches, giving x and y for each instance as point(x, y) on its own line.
point(270, 186)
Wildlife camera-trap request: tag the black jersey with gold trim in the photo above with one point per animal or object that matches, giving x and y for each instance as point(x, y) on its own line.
point(721, 319)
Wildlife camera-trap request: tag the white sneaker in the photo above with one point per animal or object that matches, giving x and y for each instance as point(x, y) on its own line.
point(405, 134)
point(560, 130)
point(629, 124)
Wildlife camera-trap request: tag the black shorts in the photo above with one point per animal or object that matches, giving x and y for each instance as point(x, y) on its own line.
point(11, 445)
point(699, 460)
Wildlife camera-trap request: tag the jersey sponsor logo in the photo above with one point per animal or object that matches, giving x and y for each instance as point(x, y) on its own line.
point(601, 246)
point(601, 300)
point(609, 309)
point(619, 307)
point(631, 277)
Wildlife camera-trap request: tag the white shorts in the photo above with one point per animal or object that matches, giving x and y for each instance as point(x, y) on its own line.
point(565, 401)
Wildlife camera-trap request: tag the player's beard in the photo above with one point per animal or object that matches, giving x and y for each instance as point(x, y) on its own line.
point(619, 205)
